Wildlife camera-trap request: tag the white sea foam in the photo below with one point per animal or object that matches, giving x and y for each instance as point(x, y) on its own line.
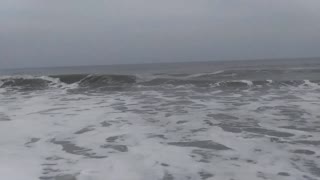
point(159, 134)
point(249, 83)
point(311, 84)
point(2, 90)
point(270, 81)
point(205, 74)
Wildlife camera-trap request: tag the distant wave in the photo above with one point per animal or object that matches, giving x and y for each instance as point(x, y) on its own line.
point(94, 81)
point(25, 82)
point(233, 83)
point(204, 74)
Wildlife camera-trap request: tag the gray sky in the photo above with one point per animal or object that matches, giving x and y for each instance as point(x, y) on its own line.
point(37, 33)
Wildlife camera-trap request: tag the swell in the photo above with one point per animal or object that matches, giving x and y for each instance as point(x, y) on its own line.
point(24, 82)
point(81, 80)
point(231, 83)
point(92, 81)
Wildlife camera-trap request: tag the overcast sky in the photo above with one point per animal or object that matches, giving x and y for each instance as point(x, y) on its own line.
point(37, 33)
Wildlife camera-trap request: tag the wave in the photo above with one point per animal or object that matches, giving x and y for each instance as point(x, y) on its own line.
point(94, 81)
point(24, 82)
point(80, 80)
point(205, 74)
point(233, 83)
point(91, 80)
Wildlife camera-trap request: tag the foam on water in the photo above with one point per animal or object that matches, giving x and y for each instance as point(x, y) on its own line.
point(93, 82)
point(204, 74)
point(230, 130)
point(311, 84)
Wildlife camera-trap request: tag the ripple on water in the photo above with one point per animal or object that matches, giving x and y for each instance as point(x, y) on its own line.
point(71, 148)
point(283, 174)
point(313, 168)
point(120, 148)
point(60, 177)
point(268, 132)
point(84, 130)
point(205, 175)
point(303, 151)
point(307, 142)
point(4, 117)
point(32, 141)
point(208, 144)
point(112, 139)
point(221, 116)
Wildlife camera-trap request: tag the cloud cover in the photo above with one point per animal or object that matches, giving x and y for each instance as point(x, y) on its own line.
point(37, 33)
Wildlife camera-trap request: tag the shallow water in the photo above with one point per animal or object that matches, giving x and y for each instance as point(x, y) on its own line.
point(164, 131)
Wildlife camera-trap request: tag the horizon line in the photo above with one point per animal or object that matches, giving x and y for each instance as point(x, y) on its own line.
point(175, 62)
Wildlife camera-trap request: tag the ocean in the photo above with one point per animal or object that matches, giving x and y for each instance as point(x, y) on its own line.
point(228, 120)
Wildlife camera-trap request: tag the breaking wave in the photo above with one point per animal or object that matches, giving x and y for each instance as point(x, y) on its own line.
point(93, 81)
